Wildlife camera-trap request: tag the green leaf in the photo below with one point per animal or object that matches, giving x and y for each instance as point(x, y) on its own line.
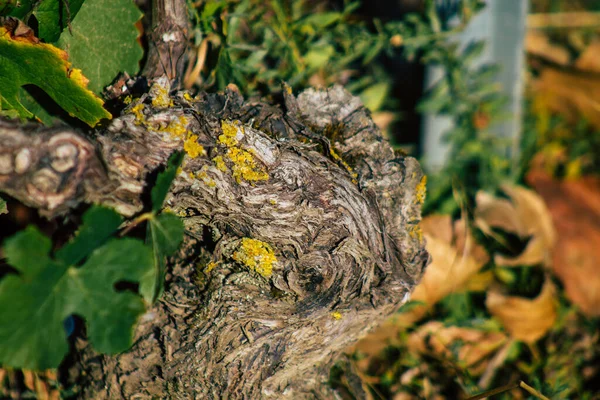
point(318, 21)
point(53, 17)
point(320, 56)
point(99, 224)
point(24, 62)
point(3, 207)
point(209, 14)
point(16, 8)
point(374, 96)
point(226, 72)
point(35, 302)
point(164, 235)
point(163, 181)
point(473, 50)
point(164, 232)
point(103, 42)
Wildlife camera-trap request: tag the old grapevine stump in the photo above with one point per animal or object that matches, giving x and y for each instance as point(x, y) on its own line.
point(311, 186)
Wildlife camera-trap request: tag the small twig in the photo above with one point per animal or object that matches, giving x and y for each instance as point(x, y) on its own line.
point(494, 364)
point(192, 74)
point(532, 391)
point(138, 220)
point(506, 388)
point(564, 20)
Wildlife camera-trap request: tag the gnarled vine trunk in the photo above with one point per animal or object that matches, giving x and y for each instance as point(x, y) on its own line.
point(312, 179)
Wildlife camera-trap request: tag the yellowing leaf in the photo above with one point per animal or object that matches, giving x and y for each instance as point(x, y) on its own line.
point(572, 94)
point(589, 60)
point(526, 216)
point(525, 319)
point(470, 346)
point(575, 209)
point(24, 61)
point(538, 44)
point(456, 258)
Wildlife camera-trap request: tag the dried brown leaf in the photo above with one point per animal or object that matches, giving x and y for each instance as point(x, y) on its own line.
point(525, 319)
point(525, 215)
point(575, 209)
point(456, 257)
point(473, 345)
point(383, 119)
point(493, 212)
point(573, 95)
point(29, 379)
point(538, 44)
point(589, 60)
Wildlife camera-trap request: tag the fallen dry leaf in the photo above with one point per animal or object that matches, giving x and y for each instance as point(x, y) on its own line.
point(473, 345)
point(571, 94)
point(575, 210)
point(589, 60)
point(383, 119)
point(525, 319)
point(456, 257)
point(538, 44)
point(38, 382)
point(525, 215)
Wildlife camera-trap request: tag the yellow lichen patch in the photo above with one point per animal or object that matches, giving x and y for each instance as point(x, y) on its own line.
point(336, 315)
point(421, 190)
point(191, 146)
point(256, 255)
point(415, 232)
point(128, 99)
point(339, 159)
point(203, 176)
point(137, 110)
point(273, 201)
point(161, 97)
point(187, 96)
point(220, 163)
point(209, 267)
point(244, 166)
point(177, 127)
point(229, 136)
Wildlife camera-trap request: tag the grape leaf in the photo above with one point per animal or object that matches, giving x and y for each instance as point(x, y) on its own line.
point(225, 71)
point(14, 8)
point(103, 40)
point(164, 235)
point(22, 62)
point(53, 15)
point(163, 181)
point(99, 224)
point(164, 232)
point(35, 302)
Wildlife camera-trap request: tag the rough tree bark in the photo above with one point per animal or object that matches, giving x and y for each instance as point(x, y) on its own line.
point(312, 179)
